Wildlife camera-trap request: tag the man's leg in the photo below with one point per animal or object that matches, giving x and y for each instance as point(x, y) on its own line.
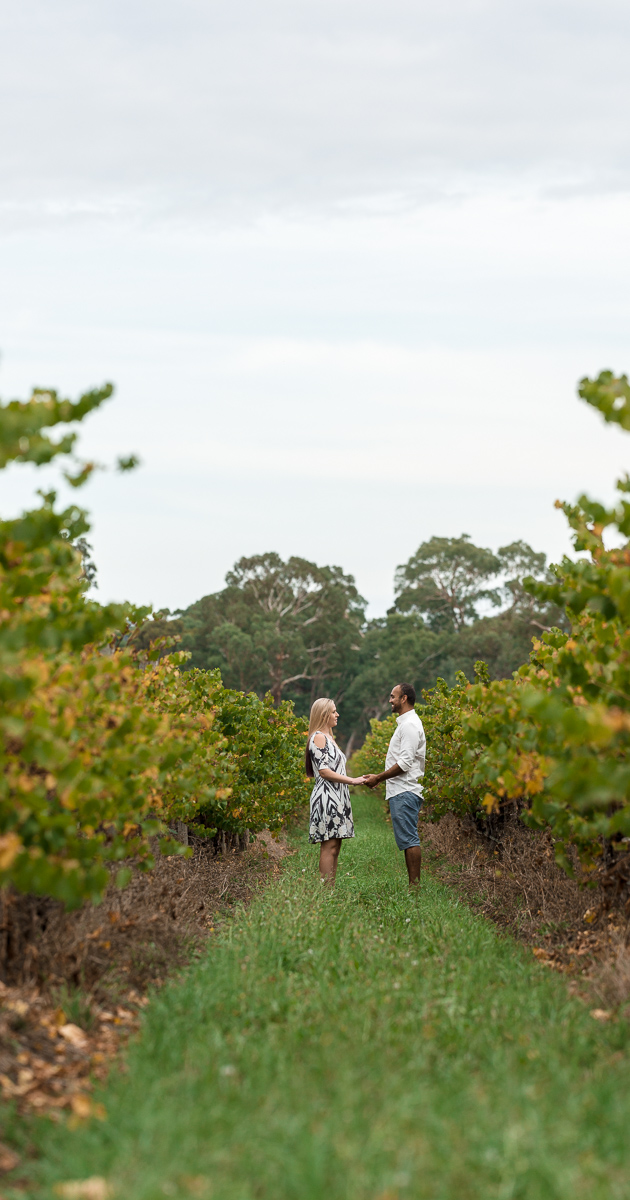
point(405, 810)
point(413, 859)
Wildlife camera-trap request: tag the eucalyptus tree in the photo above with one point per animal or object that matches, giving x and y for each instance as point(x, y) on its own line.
point(446, 580)
point(289, 627)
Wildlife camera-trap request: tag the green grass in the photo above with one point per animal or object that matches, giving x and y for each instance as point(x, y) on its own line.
point(356, 1046)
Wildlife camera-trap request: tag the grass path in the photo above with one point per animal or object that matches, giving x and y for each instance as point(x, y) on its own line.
point(361, 1046)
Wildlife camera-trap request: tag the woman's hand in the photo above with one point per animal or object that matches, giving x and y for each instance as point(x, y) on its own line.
point(334, 777)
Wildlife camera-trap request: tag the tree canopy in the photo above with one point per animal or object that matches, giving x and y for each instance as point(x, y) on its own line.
point(446, 580)
point(292, 628)
point(298, 630)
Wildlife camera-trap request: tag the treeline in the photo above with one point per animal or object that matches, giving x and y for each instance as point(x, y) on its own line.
point(105, 743)
point(552, 743)
point(298, 630)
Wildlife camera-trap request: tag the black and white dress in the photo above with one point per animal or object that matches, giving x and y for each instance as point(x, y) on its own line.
point(331, 813)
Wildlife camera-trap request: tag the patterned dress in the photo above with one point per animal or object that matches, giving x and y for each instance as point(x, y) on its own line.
point(331, 814)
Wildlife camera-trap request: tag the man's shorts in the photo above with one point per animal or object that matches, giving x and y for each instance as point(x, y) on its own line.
point(405, 810)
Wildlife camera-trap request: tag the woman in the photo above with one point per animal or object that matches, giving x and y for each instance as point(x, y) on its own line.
point(331, 814)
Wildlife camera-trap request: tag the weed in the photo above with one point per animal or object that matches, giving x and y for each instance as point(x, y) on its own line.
point(76, 1005)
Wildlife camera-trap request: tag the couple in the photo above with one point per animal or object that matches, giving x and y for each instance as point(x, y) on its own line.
point(331, 814)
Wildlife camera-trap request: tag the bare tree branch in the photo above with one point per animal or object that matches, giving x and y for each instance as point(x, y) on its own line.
point(292, 678)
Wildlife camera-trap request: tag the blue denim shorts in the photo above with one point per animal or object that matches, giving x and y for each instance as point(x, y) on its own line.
point(405, 810)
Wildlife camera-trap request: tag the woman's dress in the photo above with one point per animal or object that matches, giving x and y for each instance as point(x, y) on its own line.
point(331, 812)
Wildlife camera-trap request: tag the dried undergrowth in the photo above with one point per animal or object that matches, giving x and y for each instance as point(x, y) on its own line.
point(611, 982)
point(136, 935)
point(571, 925)
point(72, 985)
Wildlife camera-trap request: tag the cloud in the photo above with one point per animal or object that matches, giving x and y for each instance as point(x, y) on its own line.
point(189, 111)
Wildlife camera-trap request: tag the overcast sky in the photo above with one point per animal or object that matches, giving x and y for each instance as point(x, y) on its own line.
point(345, 263)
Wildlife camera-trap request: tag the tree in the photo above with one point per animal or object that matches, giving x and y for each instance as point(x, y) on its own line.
point(292, 628)
point(446, 580)
point(519, 562)
point(396, 648)
point(504, 641)
point(438, 634)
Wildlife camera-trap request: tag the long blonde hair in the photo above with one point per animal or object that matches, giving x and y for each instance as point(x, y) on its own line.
point(321, 712)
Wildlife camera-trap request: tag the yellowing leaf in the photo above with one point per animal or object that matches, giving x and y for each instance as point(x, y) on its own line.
point(10, 846)
point(74, 1035)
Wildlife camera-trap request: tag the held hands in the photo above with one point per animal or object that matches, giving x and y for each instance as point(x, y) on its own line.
point(360, 779)
point(370, 780)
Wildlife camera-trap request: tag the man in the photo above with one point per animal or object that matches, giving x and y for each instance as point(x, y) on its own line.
point(403, 767)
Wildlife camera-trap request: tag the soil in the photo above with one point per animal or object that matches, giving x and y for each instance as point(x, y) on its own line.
point(73, 984)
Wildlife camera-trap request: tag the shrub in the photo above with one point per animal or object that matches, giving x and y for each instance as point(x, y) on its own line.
point(102, 746)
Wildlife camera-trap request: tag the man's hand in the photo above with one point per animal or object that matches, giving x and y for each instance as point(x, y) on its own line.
point(371, 781)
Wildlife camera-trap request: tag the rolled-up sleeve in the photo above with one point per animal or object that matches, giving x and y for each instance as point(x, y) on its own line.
point(409, 743)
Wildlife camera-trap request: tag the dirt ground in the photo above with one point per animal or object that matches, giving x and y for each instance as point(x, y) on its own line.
point(73, 985)
point(576, 926)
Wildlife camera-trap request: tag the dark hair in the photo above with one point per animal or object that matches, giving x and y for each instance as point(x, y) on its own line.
point(409, 692)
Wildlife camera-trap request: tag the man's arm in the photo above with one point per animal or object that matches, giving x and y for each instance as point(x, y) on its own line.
point(374, 780)
point(410, 739)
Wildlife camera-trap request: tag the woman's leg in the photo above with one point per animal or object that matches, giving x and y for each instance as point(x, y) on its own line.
point(328, 856)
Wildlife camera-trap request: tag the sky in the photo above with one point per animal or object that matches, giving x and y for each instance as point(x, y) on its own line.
point(344, 262)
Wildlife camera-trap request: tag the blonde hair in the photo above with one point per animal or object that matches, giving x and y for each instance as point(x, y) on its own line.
point(321, 712)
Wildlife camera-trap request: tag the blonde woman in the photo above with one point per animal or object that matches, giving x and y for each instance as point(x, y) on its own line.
point(331, 814)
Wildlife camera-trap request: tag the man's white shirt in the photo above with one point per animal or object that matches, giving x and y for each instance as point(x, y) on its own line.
point(408, 749)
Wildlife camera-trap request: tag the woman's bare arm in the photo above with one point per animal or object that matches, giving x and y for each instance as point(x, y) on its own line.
point(326, 773)
point(334, 777)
